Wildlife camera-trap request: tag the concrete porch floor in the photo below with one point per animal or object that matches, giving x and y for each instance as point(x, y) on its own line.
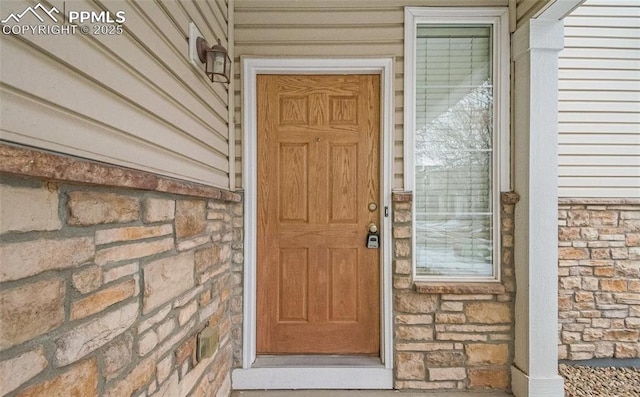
point(362, 393)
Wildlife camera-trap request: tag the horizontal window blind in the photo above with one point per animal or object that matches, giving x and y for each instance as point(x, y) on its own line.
point(454, 151)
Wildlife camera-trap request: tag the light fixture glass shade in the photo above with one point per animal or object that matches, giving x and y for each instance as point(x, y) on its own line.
point(218, 64)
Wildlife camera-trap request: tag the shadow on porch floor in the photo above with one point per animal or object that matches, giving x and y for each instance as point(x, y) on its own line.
point(362, 393)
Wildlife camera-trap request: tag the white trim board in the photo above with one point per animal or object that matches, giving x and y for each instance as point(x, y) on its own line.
point(315, 377)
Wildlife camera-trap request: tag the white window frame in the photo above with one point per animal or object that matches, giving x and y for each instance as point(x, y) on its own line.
point(498, 17)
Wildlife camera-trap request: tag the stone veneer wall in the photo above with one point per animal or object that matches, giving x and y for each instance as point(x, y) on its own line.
point(103, 290)
point(451, 336)
point(599, 278)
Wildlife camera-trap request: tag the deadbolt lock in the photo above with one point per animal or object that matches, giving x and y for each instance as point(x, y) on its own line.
point(373, 207)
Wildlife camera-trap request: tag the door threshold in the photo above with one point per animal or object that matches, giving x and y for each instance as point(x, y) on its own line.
point(313, 372)
point(267, 361)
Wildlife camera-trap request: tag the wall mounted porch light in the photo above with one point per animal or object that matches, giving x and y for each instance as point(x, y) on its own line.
point(216, 60)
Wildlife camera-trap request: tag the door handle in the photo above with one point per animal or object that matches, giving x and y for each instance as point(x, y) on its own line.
point(372, 228)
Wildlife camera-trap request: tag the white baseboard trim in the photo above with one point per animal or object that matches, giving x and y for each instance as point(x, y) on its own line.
point(523, 385)
point(312, 378)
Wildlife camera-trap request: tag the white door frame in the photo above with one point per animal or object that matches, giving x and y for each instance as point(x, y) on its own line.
point(377, 377)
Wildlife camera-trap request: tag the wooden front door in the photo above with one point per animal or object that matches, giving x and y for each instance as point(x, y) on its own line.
point(318, 286)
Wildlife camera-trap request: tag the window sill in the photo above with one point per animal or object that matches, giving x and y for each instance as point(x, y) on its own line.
point(423, 287)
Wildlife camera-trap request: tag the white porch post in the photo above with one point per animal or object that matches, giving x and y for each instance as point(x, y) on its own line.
point(535, 53)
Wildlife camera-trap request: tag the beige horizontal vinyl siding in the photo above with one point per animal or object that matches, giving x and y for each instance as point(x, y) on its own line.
point(599, 119)
point(133, 99)
point(330, 28)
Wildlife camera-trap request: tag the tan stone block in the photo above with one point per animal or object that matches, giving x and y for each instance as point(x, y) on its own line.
point(627, 268)
point(167, 278)
point(426, 347)
point(568, 233)
point(619, 253)
point(488, 378)
point(633, 239)
point(117, 356)
point(620, 335)
point(16, 371)
point(414, 333)
point(163, 369)
point(79, 380)
point(451, 306)
point(627, 299)
point(565, 303)
point(589, 233)
point(436, 374)
point(632, 225)
point(450, 318)
point(25, 209)
point(410, 366)
point(590, 283)
point(157, 210)
point(578, 218)
point(185, 245)
point(103, 299)
point(186, 313)
point(107, 236)
point(147, 342)
point(401, 216)
point(402, 266)
point(89, 336)
point(207, 258)
point(591, 335)
point(20, 260)
point(634, 286)
point(604, 349)
point(487, 354)
point(584, 297)
point(573, 253)
point(120, 272)
point(402, 282)
point(571, 337)
point(93, 208)
point(630, 215)
point(87, 279)
point(414, 319)
point(30, 310)
point(604, 218)
point(608, 271)
point(136, 378)
point(415, 303)
point(461, 337)
point(401, 231)
point(634, 253)
point(190, 218)
point(601, 323)
point(613, 285)
point(568, 263)
point(420, 385)
point(581, 355)
point(154, 319)
point(627, 350)
point(454, 358)
point(600, 253)
point(562, 352)
point(186, 350)
point(133, 251)
point(402, 248)
point(488, 312)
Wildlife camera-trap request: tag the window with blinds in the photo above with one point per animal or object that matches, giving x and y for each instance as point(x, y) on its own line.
point(453, 151)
